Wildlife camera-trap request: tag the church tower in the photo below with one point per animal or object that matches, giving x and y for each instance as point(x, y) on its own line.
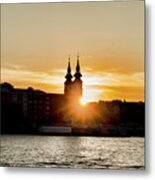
point(77, 83)
point(68, 82)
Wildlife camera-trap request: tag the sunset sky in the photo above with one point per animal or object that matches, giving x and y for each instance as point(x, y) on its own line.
point(36, 40)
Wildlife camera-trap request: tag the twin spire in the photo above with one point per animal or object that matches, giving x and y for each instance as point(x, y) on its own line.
point(77, 73)
point(69, 66)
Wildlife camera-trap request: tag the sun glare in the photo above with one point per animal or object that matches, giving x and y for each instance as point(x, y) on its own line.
point(83, 101)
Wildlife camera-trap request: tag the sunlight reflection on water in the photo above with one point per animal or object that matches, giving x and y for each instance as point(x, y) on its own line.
point(72, 152)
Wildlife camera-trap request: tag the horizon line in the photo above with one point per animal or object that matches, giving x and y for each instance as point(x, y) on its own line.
point(97, 101)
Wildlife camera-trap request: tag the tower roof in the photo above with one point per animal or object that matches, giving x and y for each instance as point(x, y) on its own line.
point(68, 75)
point(77, 73)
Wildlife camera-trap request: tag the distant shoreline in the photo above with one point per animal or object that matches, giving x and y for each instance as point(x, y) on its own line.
point(80, 135)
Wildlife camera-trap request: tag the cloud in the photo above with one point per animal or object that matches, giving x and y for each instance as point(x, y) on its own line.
point(113, 78)
point(108, 85)
point(47, 80)
point(96, 84)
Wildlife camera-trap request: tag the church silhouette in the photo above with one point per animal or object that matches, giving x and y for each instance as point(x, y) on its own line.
point(32, 108)
point(73, 88)
point(30, 111)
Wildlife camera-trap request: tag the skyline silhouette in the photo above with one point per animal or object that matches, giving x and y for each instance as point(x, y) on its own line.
point(36, 39)
point(84, 98)
point(73, 85)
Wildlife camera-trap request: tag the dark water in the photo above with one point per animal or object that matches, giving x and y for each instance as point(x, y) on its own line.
point(72, 152)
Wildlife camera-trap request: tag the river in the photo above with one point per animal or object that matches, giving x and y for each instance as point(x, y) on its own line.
point(72, 152)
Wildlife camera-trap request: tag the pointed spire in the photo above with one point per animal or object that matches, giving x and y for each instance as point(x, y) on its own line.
point(69, 67)
point(78, 64)
point(68, 75)
point(78, 74)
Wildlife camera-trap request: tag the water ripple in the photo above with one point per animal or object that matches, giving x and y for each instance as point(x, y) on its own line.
point(72, 152)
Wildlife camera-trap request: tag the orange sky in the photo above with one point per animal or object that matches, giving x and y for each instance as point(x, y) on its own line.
point(109, 36)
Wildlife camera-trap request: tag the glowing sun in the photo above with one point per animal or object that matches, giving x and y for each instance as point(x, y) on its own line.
point(83, 101)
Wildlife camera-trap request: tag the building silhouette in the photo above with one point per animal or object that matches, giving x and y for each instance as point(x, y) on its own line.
point(28, 110)
point(73, 88)
point(32, 108)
